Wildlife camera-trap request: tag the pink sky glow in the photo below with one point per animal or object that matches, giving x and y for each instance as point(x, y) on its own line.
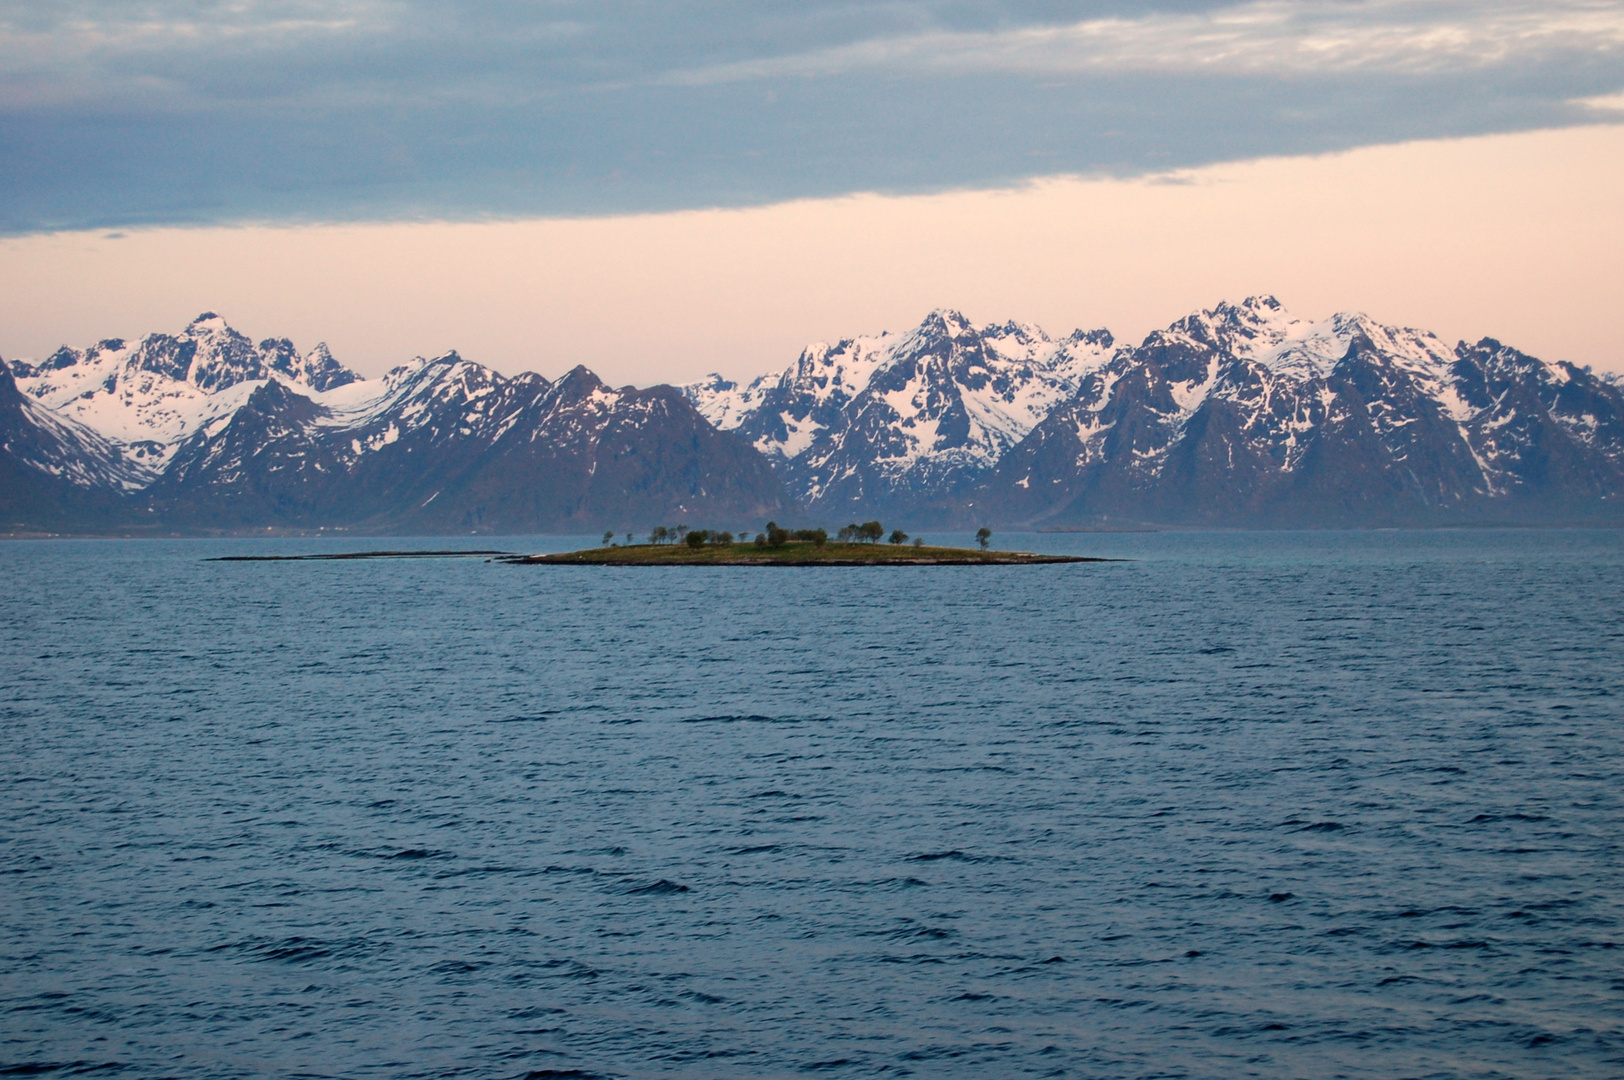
point(1519, 237)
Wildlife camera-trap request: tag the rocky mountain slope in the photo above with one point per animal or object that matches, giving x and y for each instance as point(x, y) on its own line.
point(55, 473)
point(1243, 415)
point(890, 423)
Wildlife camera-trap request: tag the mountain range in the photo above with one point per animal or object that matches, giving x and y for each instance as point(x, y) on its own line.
point(205, 431)
point(1237, 416)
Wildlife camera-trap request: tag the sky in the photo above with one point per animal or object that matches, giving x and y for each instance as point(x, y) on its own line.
point(659, 190)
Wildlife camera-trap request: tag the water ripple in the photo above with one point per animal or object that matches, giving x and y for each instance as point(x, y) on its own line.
point(1262, 805)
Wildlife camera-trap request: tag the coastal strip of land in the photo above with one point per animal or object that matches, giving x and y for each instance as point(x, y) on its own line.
point(367, 555)
point(794, 553)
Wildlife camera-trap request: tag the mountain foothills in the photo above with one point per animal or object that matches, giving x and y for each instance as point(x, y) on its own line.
point(1239, 416)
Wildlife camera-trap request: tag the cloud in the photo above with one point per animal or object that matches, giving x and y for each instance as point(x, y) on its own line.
point(1606, 103)
point(115, 114)
point(1270, 38)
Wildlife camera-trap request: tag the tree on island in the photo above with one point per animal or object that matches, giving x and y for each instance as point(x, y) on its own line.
point(658, 536)
point(608, 535)
point(983, 535)
point(898, 536)
point(695, 538)
point(919, 541)
point(870, 531)
point(815, 537)
point(777, 536)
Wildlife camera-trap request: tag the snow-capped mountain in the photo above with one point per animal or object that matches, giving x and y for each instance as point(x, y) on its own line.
point(56, 473)
point(205, 430)
point(148, 395)
point(897, 420)
point(1245, 415)
point(45, 440)
point(1241, 415)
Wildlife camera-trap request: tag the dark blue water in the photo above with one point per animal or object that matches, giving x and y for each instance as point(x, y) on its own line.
point(1334, 805)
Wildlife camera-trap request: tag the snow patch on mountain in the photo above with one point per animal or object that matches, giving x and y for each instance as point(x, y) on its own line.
point(63, 447)
point(789, 407)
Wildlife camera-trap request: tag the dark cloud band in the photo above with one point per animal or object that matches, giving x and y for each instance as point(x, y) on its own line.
point(379, 110)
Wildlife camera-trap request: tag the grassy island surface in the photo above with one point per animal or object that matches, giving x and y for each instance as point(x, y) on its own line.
point(793, 553)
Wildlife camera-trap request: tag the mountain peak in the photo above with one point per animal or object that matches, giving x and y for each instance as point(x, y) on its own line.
point(276, 396)
point(949, 320)
point(1252, 311)
point(581, 379)
point(715, 384)
point(1101, 338)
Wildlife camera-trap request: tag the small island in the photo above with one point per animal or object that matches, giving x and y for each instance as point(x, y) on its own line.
point(856, 545)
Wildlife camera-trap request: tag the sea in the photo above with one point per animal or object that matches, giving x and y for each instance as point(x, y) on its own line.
point(1317, 804)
